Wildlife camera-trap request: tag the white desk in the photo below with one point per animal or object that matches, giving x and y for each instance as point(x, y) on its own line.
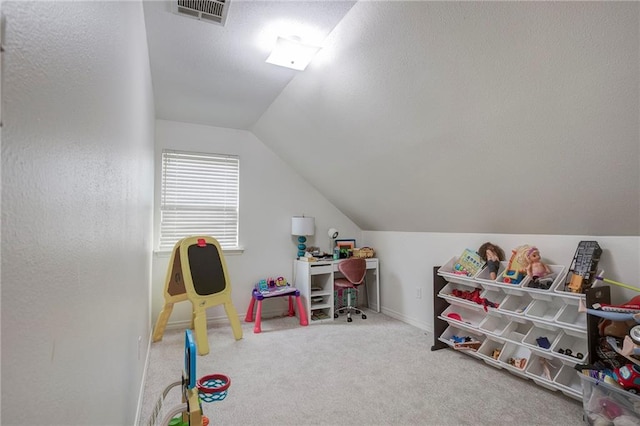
point(314, 280)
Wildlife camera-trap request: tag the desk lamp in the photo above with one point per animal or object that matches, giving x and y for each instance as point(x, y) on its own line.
point(333, 234)
point(302, 226)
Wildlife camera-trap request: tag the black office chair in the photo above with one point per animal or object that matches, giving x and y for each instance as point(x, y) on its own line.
point(354, 271)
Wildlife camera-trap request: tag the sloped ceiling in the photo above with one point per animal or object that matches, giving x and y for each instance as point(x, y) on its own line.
point(478, 117)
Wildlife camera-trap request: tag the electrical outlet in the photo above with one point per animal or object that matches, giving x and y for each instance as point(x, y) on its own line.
point(418, 293)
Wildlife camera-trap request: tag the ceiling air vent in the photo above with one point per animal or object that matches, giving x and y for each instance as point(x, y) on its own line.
point(204, 10)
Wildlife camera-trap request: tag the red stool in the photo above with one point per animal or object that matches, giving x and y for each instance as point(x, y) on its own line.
point(278, 292)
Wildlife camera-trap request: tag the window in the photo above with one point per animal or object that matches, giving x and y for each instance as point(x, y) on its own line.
point(199, 196)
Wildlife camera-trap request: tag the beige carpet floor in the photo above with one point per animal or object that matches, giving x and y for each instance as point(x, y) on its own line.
point(377, 371)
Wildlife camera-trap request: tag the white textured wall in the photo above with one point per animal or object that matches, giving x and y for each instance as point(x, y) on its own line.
point(77, 188)
point(270, 193)
point(408, 258)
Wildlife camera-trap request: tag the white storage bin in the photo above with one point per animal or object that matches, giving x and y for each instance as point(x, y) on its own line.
point(449, 291)
point(468, 317)
point(568, 382)
point(544, 310)
point(490, 352)
point(448, 271)
point(512, 351)
point(577, 345)
point(555, 278)
point(565, 292)
point(509, 276)
point(570, 317)
point(451, 331)
point(493, 295)
point(516, 331)
point(485, 275)
point(537, 332)
point(515, 304)
point(540, 366)
point(494, 325)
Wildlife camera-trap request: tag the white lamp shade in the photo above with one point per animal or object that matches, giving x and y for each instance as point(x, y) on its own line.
point(303, 225)
point(333, 233)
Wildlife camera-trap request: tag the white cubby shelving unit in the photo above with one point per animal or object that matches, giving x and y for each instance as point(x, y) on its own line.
point(531, 324)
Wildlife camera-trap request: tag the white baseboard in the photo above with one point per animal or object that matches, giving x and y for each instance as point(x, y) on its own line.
point(416, 323)
point(222, 319)
point(139, 421)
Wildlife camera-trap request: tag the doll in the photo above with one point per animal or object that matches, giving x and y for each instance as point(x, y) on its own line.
point(492, 254)
point(536, 268)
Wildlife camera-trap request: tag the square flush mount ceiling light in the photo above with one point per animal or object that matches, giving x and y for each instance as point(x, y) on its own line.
point(291, 53)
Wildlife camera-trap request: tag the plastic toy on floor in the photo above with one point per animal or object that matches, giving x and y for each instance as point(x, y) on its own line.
point(209, 388)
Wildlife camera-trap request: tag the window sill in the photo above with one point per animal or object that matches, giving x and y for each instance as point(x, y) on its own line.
point(235, 251)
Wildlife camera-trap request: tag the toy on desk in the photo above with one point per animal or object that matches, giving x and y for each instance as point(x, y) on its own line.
point(469, 263)
point(517, 266)
point(273, 285)
point(492, 254)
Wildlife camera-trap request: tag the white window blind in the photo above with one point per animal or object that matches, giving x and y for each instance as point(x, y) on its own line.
point(199, 197)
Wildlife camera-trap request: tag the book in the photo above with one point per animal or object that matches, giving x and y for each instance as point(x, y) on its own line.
point(469, 263)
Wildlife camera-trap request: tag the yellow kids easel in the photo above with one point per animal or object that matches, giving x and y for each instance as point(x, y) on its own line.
point(197, 272)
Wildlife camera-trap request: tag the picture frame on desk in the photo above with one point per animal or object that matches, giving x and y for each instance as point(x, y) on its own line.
point(345, 246)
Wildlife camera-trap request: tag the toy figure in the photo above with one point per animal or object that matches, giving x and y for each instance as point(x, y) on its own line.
point(492, 254)
point(536, 268)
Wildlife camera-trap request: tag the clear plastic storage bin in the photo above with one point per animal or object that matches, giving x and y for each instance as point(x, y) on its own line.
point(607, 404)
